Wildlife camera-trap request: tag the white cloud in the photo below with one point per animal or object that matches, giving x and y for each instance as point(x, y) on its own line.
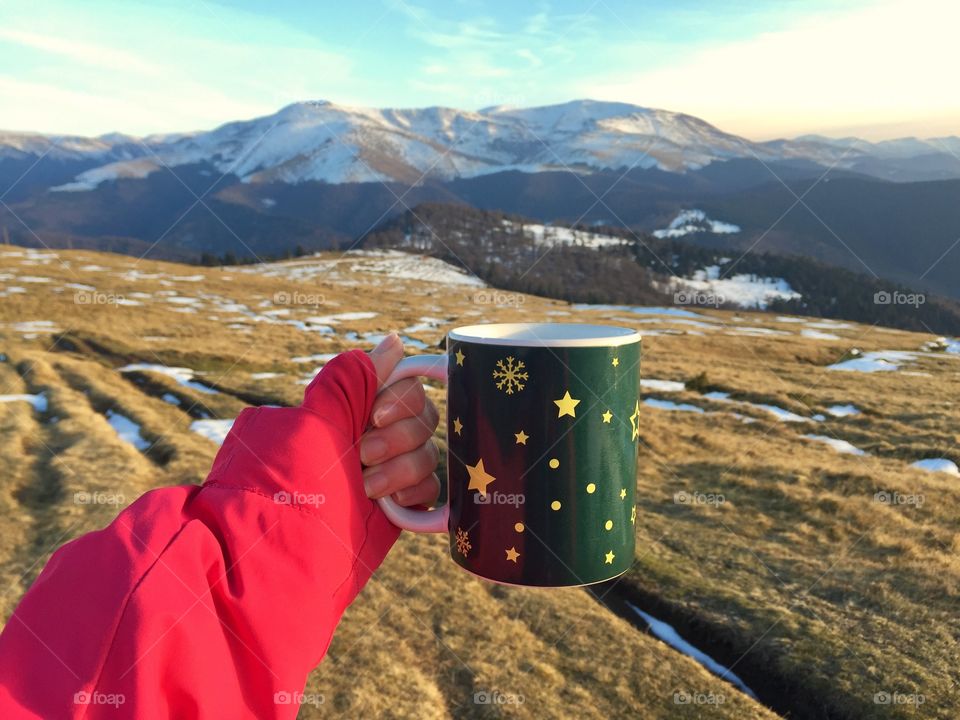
point(891, 63)
point(41, 107)
point(81, 52)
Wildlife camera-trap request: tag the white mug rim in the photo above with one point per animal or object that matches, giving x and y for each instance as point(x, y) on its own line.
point(546, 334)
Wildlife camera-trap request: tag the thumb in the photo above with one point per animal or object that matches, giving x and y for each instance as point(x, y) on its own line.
point(386, 355)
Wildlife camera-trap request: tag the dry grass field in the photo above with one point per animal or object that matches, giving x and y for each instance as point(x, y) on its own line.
point(827, 581)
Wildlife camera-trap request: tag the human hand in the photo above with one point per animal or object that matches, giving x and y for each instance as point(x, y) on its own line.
point(398, 450)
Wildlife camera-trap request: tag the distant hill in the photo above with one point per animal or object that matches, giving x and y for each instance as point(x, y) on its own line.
point(610, 265)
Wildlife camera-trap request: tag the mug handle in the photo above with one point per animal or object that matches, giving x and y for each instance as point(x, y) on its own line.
point(427, 521)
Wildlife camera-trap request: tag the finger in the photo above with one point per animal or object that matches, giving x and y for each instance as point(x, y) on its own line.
point(404, 398)
point(386, 355)
point(401, 472)
point(424, 492)
point(381, 444)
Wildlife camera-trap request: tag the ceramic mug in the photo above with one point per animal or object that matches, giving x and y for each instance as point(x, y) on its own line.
point(542, 428)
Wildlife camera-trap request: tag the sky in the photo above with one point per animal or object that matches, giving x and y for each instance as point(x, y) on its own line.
point(873, 68)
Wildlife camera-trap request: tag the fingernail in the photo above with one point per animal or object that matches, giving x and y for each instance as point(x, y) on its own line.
point(375, 484)
point(372, 449)
point(381, 415)
point(388, 342)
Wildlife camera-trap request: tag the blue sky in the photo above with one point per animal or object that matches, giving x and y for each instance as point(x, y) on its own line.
point(878, 68)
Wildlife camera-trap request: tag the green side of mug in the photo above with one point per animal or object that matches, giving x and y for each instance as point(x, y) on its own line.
point(542, 461)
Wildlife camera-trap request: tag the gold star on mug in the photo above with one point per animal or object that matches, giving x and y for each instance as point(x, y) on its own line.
point(457, 426)
point(615, 362)
point(479, 478)
point(635, 422)
point(609, 557)
point(567, 405)
point(460, 356)
point(521, 437)
point(512, 554)
point(607, 417)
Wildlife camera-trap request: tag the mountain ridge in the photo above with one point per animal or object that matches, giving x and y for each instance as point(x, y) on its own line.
point(324, 141)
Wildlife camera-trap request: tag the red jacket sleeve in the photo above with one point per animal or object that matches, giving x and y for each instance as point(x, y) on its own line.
point(213, 601)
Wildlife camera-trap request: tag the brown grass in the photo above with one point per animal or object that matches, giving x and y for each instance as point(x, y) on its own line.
point(817, 594)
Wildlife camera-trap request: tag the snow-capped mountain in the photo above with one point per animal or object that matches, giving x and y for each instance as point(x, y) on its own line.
point(336, 144)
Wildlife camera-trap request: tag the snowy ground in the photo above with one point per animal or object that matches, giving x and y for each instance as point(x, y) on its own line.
point(182, 375)
point(937, 465)
point(127, 430)
point(689, 222)
point(550, 235)
point(215, 430)
point(669, 635)
point(841, 446)
point(743, 290)
point(393, 264)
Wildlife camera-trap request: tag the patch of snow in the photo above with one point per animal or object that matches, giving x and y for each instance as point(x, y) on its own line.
point(90, 179)
point(35, 326)
point(551, 236)
point(751, 330)
point(780, 413)
point(671, 637)
point(688, 222)
point(394, 264)
point(669, 405)
point(426, 324)
point(127, 430)
point(39, 401)
point(717, 395)
point(339, 317)
point(182, 375)
point(841, 446)
point(877, 361)
point(744, 290)
point(376, 338)
point(264, 375)
point(663, 385)
point(215, 430)
point(645, 310)
point(818, 334)
point(937, 465)
point(675, 321)
point(843, 410)
point(321, 357)
point(830, 325)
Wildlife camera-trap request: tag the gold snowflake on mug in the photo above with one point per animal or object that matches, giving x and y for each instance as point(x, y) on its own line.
point(510, 375)
point(463, 542)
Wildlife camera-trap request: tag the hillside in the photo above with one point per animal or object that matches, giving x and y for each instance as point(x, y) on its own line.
point(782, 526)
point(606, 264)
